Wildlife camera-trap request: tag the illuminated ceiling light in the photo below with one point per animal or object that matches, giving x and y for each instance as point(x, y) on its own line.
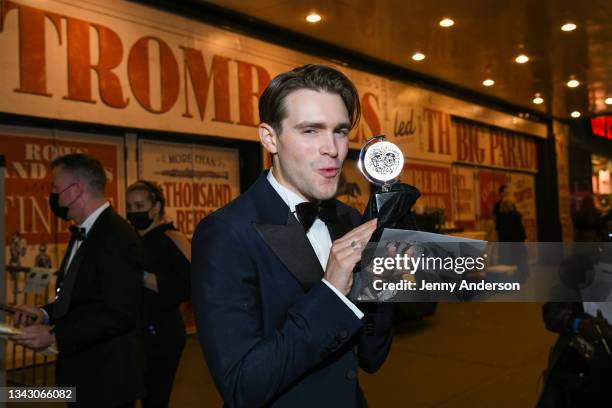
point(538, 100)
point(313, 18)
point(488, 82)
point(521, 59)
point(573, 83)
point(575, 114)
point(418, 56)
point(446, 22)
point(608, 101)
point(568, 27)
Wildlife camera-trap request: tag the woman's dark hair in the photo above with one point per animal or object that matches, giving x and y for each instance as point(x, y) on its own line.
point(156, 193)
point(320, 78)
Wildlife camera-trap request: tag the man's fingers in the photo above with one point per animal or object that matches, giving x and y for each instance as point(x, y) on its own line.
point(22, 320)
point(352, 246)
point(355, 239)
point(349, 256)
point(30, 343)
point(32, 336)
point(25, 334)
point(26, 315)
point(23, 337)
point(342, 250)
point(366, 228)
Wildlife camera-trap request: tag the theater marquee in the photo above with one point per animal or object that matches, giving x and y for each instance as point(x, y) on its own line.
point(127, 65)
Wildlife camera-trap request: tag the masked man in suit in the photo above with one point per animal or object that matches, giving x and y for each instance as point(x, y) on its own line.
point(272, 270)
point(93, 321)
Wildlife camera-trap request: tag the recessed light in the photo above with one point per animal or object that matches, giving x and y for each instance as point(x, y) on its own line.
point(313, 18)
point(418, 56)
point(573, 83)
point(575, 114)
point(608, 101)
point(488, 82)
point(568, 27)
point(538, 100)
point(446, 22)
point(521, 59)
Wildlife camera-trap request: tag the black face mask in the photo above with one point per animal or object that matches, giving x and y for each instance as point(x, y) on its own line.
point(140, 219)
point(58, 210)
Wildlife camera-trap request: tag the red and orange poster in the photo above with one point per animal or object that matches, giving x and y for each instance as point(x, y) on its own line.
point(33, 233)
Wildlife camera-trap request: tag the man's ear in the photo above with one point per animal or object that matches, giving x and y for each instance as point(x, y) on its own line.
point(268, 137)
point(81, 185)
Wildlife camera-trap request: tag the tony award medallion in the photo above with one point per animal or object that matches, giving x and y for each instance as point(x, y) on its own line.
point(381, 162)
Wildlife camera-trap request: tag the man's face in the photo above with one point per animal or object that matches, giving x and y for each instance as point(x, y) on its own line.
point(67, 186)
point(313, 144)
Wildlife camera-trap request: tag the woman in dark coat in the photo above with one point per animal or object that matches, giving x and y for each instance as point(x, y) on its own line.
point(166, 284)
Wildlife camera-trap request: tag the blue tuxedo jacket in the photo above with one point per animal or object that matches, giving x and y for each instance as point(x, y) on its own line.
point(273, 334)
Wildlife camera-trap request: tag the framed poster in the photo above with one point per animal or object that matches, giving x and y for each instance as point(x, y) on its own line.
point(34, 236)
point(196, 179)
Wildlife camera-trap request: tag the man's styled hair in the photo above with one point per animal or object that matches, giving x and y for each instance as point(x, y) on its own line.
point(154, 191)
point(84, 166)
point(319, 78)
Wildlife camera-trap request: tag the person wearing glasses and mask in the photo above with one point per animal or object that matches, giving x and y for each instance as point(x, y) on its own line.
point(166, 284)
point(93, 321)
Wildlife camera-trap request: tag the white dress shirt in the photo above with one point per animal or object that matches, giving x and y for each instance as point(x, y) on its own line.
point(318, 235)
point(87, 224)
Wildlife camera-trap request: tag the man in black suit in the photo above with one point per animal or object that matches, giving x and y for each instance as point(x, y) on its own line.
point(93, 321)
point(272, 271)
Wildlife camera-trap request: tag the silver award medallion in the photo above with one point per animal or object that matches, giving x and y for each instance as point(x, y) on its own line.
point(381, 162)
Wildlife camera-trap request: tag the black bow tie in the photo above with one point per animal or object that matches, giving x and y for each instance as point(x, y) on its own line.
point(307, 213)
point(77, 233)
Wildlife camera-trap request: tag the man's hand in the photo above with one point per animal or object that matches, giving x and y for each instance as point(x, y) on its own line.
point(344, 255)
point(37, 337)
point(27, 316)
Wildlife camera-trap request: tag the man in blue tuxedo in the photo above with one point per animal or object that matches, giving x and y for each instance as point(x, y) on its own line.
point(272, 270)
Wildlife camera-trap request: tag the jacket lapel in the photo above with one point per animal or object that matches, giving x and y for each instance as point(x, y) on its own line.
point(67, 284)
point(61, 271)
point(284, 234)
point(290, 244)
point(69, 276)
